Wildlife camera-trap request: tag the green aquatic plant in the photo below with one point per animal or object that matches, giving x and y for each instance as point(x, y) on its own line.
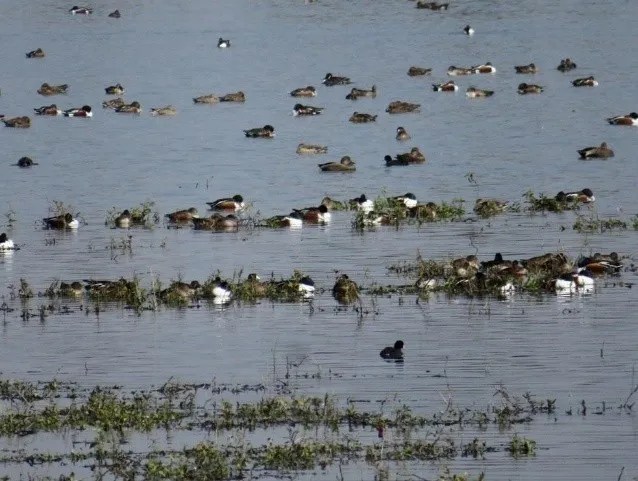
point(593, 224)
point(542, 203)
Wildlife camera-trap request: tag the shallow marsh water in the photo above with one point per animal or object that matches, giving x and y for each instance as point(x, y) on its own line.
point(569, 348)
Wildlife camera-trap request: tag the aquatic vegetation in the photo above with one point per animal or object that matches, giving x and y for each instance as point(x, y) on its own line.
point(520, 446)
point(542, 203)
point(393, 211)
point(595, 224)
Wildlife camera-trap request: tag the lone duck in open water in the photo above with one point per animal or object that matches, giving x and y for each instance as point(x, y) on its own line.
point(585, 82)
point(266, 132)
point(524, 88)
point(362, 118)
point(393, 352)
point(221, 43)
point(629, 119)
point(331, 80)
point(402, 134)
point(601, 152)
point(37, 53)
point(116, 89)
point(526, 69)
point(235, 203)
point(308, 91)
point(75, 10)
point(25, 162)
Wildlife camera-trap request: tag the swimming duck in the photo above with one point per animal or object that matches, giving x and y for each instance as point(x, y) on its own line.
point(314, 215)
point(37, 53)
point(362, 118)
point(306, 286)
point(600, 152)
point(390, 162)
point(585, 82)
point(84, 111)
point(267, 131)
point(6, 243)
point(399, 107)
point(465, 267)
point(409, 200)
point(182, 290)
point(402, 134)
point(75, 10)
point(25, 162)
point(580, 280)
point(345, 290)
point(132, 108)
point(346, 164)
point(550, 262)
point(601, 263)
point(306, 149)
point(62, 221)
point(48, 110)
point(566, 65)
point(418, 71)
point(233, 97)
point(235, 203)
point(227, 223)
point(300, 109)
point(432, 5)
point(23, 122)
point(116, 89)
point(585, 196)
point(294, 220)
point(46, 89)
point(489, 206)
point(524, 88)
point(182, 215)
point(526, 69)
point(362, 203)
point(474, 93)
point(123, 220)
point(74, 289)
point(484, 68)
point(254, 286)
point(331, 80)
point(455, 71)
point(206, 99)
point(393, 352)
point(115, 14)
point(496, 264)
point(308, 91)
point(468, 30)
point(426, 211)
point(221, 43)
point(221, 290)
point(629, 119)
point(167, 110)
point(449, 86)
point(206, 223)
point(413, 157)
point(113, 104)
point(333, 204)
point(356, 93)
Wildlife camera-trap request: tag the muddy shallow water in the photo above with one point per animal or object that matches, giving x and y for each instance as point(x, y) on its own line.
point(571, 348)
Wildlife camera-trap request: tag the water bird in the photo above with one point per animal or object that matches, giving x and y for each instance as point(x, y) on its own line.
point(409, 200)
point(362, 118)
point(84, 111)
point(346, 164)
point(419, 71)
point(206, 99)
point(362, 203)
point(233, 97)
point(475, 93)
point(402, 134)
point(6, 243)
point(585, 196)
point(306, 286)
point(116, 89)
point(123, 220)
point(183, 215)
point(37, 53)
point(46, 89)
point(601, 263)
point(307, 149)
point(23, 122)
point(267, 131)
point(355, 93)
point(294, 220)
point(459, 71)
point(132, 108)
point(393, 352)
point(484, 68)
point(234, 203)
point(113, 103)
point(415, 156)
point(75, 10)
point(74, 289)
point(300, 109)
point(221, 290)
point(182, 290)
point(26, 162)
point(566, 65)
point(448, 86)
point(399, 107)
point(629, 119)
point(167, 110)
point(468, 30)
point(115, 14)
point(601, 152)
point(221, 43)
point(314, 215)
point(526, 69)
point(62, 221)
point(308, 91)
point(524, 88)
point(48, 110)
point(331, 80)
point(585, 82)
point(345, 290)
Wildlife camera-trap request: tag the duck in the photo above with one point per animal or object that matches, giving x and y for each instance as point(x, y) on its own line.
point(601, 263)
point(132, 108)
point(465, 267)
point(426, 211)
point(311, 149)
point(185, 215)
point(409, 200)
point(399, 107)
point(75, 10)
point(267, 131)
point(48, 110)
point(221, 290)
point(391, 162)
point(393, 352)
point(25, 162)
point(566, 65)
point(221, 43)
point(585, 196)
point(37, 53)
point(206, 223)
point(294, 220)
point(601, 152)
point(116, 89)
point(585, 82)
point(362, 118)
point(526, 69)
point(550, 262)
point(314, 215)
point(300, 109)
point(84, 111)
point(23, 122)
point(115, 14)
point(62, 221)
point(524, 88)
point(448, 86)
point(182, 290)
point(419, 71)
point(228, 222)
point(123, 220)
point(580, 280)
point(356, 93)
point(362, 203)
point(164, 111)
point(113, 103)
point(46, 89)
point(254, 286)
point(402, 134)
point(345, 290)
point(6, 244)
point(233, 97)
point(496, 264)
point(331, 80)
point(346, 164)
point(308, 91)
point(206, 99)
point(306, 286)
point(629, 119)
point(468, 30)
point(457, 71)
point(333, 204)
point(474, 93)
point(413, 157)
point(432, 5)
point(489, 206)
point(484, 68)
point(74, 289)
point(234, 203)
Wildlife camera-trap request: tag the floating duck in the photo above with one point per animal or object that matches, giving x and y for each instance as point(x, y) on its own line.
point(62, 221)
point(308, 91)
point(629, 119)
point(524, 88)
point(346, 164)
point(235, 203)
point(6, 243)
point(25, 162)
point(308, 110)
point(221, 43)
point(48, 110)
point(468, 30)
point(601, 152)
point(84, 111)
point(206, 99)
point(267, 131)
point(474, 93)
point(356, 93)
point(308, 149)
point(23, 122)
point(399, 107)
point(331, 80)
point(183, 215)
point(449, 86)
point(37, 53)
point(132, 108)
point(75, 10)
point(402, 134)
point(362, 118)
point(116, 89)
point(585, 196)
point(585, 82)
point(566, 65)
point(419, 71)
point(526, 69)
point(46, 89)
point(233, 97)
point(393, 352)
point(167, 110)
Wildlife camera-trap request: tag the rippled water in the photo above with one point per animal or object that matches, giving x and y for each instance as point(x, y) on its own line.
point(164, 52)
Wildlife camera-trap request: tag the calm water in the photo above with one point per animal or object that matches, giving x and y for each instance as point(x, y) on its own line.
point(164, 52)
